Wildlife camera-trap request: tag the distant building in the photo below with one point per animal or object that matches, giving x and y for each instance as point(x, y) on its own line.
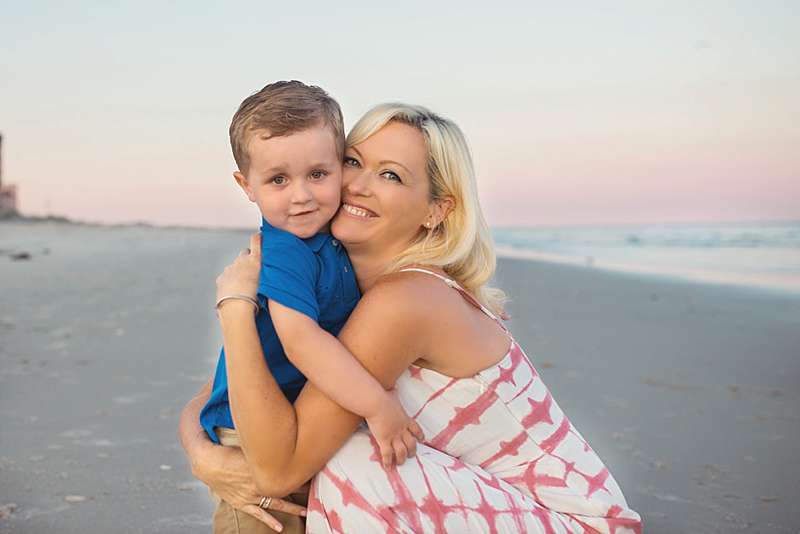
point(8, 200)
point(8, 193)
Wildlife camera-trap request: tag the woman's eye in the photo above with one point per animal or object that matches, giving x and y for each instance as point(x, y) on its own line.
point(389, 175)
point(278, 180)
point(318, 175)
point(350, 162)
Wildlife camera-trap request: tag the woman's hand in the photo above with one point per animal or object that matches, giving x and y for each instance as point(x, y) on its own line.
point(228, 475)
point(241, 277)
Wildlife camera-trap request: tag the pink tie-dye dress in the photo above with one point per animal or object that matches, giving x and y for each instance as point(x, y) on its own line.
point(499, 456)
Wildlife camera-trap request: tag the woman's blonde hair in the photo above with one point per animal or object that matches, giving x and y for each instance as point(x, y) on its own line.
point(461, 244)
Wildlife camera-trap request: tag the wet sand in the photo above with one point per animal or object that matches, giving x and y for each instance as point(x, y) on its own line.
point(689, 392)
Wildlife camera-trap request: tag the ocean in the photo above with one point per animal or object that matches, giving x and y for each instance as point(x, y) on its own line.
point(764, 255)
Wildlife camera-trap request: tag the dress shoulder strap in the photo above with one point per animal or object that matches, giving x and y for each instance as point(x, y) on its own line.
point(449, 281)
point(464, 293)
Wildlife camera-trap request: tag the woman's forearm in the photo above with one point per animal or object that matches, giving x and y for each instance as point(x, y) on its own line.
point(264, 418)
point(286, 445)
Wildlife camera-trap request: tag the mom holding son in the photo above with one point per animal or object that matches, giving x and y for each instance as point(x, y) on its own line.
point(461, 434)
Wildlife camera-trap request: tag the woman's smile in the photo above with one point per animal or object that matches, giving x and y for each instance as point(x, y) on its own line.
point(358, 212)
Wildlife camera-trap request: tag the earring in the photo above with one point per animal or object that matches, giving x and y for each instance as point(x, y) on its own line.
point(428, 224)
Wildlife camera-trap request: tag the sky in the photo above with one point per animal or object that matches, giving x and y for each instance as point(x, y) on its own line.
point(633, 112)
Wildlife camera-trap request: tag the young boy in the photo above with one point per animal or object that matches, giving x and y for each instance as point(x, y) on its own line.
point(288, 143)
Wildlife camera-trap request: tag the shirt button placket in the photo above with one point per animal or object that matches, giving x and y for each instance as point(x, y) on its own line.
point(335, 243)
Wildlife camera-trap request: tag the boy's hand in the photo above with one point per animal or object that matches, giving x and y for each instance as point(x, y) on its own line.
point(241, 277)
point(396, 433)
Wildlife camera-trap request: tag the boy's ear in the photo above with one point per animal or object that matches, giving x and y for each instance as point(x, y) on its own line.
point(241, 179)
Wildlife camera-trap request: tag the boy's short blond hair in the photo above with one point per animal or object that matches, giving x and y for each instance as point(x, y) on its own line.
point(283, 108)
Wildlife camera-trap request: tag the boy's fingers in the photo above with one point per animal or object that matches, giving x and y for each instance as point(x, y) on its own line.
point(400, 450)
point(416, 430)
point(387, 459)
point(386, 453)
point(410, 442)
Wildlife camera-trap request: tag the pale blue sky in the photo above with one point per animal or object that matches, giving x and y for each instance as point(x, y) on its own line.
point(643, 111)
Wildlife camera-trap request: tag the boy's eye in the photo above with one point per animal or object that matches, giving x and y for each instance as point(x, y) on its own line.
point(278, 180)
point(389, 175)
point(350, 162)
point(318, 175)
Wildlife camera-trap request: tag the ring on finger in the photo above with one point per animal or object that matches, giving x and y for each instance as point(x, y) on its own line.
point(265, 502)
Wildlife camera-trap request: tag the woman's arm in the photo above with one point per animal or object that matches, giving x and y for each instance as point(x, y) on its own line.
point(190, 432)
point(284, 445)
point(210, 462)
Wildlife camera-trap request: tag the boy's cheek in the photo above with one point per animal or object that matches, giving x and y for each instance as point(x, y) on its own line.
point(335, 188)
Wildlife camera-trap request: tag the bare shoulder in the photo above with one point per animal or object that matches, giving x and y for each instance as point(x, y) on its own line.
point(406, 292)
point(390, 327)
point(407, 300)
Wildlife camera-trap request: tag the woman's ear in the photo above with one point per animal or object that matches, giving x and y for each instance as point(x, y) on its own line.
point(241, 179)
point(441, 209)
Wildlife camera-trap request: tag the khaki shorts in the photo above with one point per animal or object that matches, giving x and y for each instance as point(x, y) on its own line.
point(228, 520)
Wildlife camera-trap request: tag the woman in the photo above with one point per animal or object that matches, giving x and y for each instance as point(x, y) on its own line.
point(499, 455)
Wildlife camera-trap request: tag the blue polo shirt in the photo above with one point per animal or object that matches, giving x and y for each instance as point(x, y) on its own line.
point(313, 276)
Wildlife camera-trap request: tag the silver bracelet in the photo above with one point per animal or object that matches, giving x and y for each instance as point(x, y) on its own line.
point(237, 296)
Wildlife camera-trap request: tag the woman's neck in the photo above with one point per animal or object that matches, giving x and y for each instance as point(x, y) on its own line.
point(368, 266)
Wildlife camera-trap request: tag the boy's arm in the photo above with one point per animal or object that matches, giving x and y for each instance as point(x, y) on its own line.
point(327, 363)
point(340, 377)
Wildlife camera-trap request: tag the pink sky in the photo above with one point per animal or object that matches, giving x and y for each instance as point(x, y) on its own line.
point(574, 116)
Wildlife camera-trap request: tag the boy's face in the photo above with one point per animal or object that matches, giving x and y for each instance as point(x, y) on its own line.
point(296, 180)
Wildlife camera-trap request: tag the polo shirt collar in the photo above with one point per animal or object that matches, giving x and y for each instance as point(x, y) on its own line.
point(315, 242)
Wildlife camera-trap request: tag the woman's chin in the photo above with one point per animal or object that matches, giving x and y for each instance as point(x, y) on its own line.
point(349, 230)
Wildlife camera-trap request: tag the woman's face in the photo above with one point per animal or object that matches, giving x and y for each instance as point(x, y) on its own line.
point(385, 190)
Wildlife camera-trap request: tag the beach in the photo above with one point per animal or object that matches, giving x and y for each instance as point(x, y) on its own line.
point(690, 392)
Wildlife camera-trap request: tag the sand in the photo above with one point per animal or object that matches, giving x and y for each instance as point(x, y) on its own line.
point(689, 392)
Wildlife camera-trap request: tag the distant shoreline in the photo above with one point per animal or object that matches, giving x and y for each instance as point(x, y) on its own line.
point(503, 251)
point(545, 226)
point(43, 219)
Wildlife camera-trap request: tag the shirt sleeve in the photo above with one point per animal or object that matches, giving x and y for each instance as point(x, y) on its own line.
point(289, 273)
